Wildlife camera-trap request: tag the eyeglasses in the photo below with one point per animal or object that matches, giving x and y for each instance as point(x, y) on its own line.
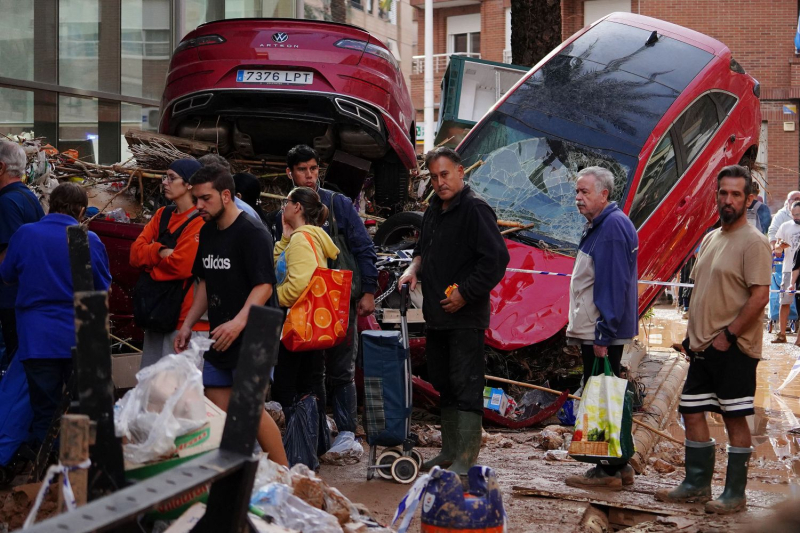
point(166, 178)
point(285, 202)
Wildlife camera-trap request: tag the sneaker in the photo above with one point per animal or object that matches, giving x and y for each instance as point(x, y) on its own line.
point(596, 478)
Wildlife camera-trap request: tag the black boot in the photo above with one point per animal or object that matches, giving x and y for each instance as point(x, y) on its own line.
point(733, 498)
point(696, 487)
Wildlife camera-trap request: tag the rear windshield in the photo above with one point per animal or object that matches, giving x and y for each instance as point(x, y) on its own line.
point(612, 82)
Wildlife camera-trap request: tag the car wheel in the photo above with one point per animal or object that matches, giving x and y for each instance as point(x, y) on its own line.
point(399, 228)
point(391, 184)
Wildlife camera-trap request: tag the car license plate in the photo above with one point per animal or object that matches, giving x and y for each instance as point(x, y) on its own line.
point(278, 77)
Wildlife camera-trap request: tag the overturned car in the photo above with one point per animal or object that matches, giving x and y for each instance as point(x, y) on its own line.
point(662, 107)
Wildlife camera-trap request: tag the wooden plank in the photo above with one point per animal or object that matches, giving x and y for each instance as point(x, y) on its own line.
point(655, 509)
point(74, 450)
point(134, 136)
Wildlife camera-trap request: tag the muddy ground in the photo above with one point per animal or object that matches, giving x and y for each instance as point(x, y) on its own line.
point(519, 461)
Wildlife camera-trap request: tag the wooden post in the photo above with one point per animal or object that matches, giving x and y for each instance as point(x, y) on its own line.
point(75, 440)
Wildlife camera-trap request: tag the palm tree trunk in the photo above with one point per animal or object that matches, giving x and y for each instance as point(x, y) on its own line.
point(535, 29)
point(338, 10)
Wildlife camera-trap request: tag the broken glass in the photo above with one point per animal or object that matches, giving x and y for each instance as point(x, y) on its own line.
point(529, 177)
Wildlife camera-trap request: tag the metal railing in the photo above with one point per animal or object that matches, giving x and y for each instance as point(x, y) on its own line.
point(440, 62)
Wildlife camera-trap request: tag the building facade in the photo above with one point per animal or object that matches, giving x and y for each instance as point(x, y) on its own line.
point(83, 72)
point(477, 28)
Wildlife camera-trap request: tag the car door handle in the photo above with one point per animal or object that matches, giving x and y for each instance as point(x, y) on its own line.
point(683, 204)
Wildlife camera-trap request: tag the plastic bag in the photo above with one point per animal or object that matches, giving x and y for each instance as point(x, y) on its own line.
point(277, 502)
point(345, 450)
point(302, 432)
point(604, 419)
point(166, 403)
point(270, 472)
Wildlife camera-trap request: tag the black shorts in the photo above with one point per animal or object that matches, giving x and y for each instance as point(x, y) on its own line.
point(721, 382)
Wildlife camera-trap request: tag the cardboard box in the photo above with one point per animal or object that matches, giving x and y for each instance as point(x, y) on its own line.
point(495, 399)
point(124, 367)
point(189, 446)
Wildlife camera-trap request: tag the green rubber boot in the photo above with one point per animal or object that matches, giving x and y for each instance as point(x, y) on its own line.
point(733, 498)
point(449, 439)
point(696, 487)
point(468, 442)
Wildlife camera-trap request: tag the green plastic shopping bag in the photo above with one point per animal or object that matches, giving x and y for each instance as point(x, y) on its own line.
point(603, 423)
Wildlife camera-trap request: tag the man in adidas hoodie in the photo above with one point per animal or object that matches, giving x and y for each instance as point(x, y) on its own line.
point(603, 299)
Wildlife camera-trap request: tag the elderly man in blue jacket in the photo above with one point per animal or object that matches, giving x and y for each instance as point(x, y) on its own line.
point(302, 167)
point(603, 299)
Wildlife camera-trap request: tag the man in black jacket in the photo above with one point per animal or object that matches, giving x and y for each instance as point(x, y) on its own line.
point(459, 247)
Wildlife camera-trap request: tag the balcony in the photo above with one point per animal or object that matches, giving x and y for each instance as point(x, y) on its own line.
point(507, 56)
point(439, 62)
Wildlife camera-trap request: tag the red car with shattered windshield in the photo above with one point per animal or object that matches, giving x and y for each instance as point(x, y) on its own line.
point(257, 87)
point(663, 107)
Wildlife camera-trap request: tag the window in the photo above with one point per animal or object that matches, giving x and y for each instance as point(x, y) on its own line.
point(78, 126)
point(16, 110)
point(16, 41)
point(79, 43)
point(658, 178)
point(146, 46)
point(594, 10)
point(357, 4)
point(697, 126)
point(467, 43)
point(726, 101)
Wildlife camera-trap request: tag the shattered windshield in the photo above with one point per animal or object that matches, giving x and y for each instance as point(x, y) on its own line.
point(529, 177)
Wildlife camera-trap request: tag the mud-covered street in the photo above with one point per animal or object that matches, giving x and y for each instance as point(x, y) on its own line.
point(520, 462)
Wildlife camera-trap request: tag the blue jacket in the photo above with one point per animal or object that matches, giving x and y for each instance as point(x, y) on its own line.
point(355, 235)
point(37, 261)
point(604, 296)
point(18, 206)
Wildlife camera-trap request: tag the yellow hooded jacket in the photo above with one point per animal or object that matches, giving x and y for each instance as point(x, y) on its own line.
point(295, 261)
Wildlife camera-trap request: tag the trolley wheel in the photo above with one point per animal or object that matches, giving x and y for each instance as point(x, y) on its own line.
point(386, 458)
point(373, 451)
point(769, 326)
point(417, 457)
point(405, 470)
point(793, 326)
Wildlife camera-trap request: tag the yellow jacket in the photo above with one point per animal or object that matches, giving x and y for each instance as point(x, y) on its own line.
point(295, 261)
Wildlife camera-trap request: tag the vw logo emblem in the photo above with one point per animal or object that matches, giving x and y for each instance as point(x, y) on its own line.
point(280, 37)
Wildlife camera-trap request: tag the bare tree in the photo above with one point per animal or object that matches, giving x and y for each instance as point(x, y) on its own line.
point(535, 29)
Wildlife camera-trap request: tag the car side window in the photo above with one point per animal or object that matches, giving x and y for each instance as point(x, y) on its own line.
point(658, 178)
point(697, 126)
point(725, 100)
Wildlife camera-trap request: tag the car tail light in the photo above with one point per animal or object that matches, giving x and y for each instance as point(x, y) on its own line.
point(363, 46)
point(199, 41)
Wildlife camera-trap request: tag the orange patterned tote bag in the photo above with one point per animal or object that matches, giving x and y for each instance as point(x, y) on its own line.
point(319, 318)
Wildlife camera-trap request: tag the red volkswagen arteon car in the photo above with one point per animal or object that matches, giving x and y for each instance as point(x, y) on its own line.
point(663, 107)
point(257, 87)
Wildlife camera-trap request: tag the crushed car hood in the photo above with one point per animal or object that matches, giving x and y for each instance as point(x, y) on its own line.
point(527, 309)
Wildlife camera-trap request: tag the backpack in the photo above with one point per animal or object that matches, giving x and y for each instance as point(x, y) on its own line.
point(157, 304)
point(752, 216)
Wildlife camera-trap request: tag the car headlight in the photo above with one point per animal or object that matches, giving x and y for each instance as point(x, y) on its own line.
point(199, 41)
point(363, 46)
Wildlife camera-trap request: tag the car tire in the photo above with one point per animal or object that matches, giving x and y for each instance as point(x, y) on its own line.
point(391, 184)
point(402, 227)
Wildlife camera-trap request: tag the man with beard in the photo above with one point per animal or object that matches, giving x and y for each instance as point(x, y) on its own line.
point(603, 296)
point(723, 341)
point(235, 271)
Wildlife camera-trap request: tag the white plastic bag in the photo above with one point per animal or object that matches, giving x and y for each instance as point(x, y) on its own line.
point(345, 450)
point(166, 403)
point(277, 501)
